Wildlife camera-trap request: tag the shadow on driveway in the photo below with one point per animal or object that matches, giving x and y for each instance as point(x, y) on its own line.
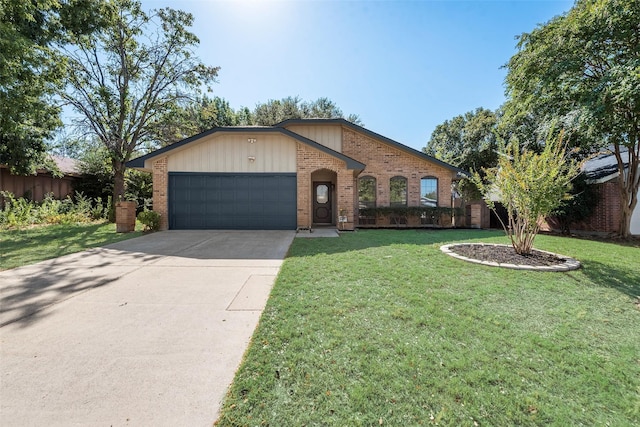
point(26, 291)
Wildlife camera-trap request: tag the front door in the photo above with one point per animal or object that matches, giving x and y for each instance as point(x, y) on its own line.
point(322, 203)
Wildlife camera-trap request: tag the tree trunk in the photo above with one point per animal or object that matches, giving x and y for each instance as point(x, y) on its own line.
point(118, 185)
point(625, 221)
point(628, 200)
point(118, 180)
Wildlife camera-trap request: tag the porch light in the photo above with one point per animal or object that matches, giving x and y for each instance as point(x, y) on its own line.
point(252, 158)
point(251, 140)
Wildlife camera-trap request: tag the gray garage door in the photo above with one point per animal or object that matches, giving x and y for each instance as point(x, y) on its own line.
point(232, 201)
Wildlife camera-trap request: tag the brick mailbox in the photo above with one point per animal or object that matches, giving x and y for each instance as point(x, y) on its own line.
point(125, 217)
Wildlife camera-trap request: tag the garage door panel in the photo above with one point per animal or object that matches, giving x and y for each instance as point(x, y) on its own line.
point(232, 201)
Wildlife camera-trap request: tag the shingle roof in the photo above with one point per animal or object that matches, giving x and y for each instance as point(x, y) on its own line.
point(604, 166)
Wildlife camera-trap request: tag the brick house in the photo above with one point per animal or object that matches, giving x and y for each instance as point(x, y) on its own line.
point(602, 173)
point(297, 174)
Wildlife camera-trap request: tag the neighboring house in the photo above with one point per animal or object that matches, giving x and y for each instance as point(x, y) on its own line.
point(602, 173)
point(296, 174)
point(36, 187)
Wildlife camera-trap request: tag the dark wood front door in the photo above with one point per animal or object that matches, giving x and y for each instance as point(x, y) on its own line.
point(322, 203)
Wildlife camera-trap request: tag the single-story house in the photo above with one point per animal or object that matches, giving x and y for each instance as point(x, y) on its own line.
point(36, 187)
point(602, 172)
point(297, 174)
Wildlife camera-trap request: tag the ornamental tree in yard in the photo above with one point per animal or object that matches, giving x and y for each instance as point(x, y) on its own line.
point(530, 186)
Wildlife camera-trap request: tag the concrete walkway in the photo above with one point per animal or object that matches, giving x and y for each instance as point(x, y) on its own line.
point(148, 331)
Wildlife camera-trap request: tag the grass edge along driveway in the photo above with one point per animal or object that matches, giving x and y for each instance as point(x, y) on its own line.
point(29, 245)
point(379, 327)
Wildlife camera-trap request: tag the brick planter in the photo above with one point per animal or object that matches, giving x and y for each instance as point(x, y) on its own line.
point(125, 217)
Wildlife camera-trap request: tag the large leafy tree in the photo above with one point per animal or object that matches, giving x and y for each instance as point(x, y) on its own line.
point(585, 64)
point(193, 117)
point(125, 77)
point(467, 141)
point(30, 73)
point(277, 110)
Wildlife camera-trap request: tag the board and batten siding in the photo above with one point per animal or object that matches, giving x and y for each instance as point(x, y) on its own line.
point(329, 136)
point(231, 153)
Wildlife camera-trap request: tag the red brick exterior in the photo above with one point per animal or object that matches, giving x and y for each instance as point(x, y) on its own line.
point(161, 191)
point(310, 160)
point(385, 162)
point(606, 214)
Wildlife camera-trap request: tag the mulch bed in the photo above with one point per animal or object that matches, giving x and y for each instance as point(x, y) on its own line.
point(506, 255)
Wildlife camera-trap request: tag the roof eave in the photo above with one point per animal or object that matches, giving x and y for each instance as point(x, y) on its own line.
point(346, 123)
point(139, 162)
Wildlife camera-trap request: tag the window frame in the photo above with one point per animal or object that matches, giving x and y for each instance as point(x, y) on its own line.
point(437, 184)
point(370, 203)
point(406, 191)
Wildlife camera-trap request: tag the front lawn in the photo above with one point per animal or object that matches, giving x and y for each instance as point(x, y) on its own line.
point(379, 327)
point(30, 245)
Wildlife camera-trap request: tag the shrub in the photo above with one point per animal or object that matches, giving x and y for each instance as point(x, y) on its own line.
point(17, 212)
point(150, 220)
point(22, 212)
point(530, 186)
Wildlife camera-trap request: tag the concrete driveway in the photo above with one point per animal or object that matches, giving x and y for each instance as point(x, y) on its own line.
point(149, 331)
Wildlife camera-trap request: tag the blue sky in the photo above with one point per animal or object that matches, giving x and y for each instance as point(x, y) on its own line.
point(403, 66)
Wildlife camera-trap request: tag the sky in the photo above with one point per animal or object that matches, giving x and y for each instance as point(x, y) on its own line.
point(403, 66)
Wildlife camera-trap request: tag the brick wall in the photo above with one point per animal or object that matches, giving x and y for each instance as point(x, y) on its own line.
point(160, 191)
point(384, 162)
point(310, 160)
point(606, 214)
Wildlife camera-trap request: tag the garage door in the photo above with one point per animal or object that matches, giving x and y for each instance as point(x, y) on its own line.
point(232, 201)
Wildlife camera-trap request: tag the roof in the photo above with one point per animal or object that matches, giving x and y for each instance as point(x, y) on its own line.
point(604, 166)
point(67, 165)
point(396, 144)
point(351, 163)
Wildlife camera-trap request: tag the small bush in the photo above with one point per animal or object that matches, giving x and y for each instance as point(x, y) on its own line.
point(150, 220)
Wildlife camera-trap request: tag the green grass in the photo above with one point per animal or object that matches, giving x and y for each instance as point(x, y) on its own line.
point(379, 327)
point(31, 245)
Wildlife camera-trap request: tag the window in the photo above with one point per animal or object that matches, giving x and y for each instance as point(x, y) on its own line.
point(429, 191)
point(322, 193)
point(367, 192)
point(398, 190)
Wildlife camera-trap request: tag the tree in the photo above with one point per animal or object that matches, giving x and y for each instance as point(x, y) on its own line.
point(585, 64)
point(467, 141)
point(125, 77)
point(530, 186)
point(193, 117)
point(276, 111)
point(30, 73)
